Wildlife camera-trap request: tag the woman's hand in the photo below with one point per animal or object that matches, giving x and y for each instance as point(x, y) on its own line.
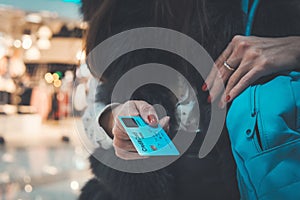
point(247, 60)
point(123, 146)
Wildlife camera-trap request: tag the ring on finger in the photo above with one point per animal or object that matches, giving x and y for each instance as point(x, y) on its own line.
point(228, 66)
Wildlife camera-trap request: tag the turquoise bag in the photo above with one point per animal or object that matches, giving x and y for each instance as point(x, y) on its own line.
point(264, 129)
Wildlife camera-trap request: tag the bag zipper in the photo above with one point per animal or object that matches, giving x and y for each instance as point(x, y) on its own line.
point(254, 113)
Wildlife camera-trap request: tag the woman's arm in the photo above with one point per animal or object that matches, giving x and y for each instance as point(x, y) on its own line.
point(94, 131)
point(247, 60)
point(104, 128)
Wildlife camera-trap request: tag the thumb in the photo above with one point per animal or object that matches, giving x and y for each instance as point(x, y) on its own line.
point(165, 123)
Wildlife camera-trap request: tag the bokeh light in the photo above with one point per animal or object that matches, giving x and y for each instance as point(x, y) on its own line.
point(49, 78)
point(57, 83)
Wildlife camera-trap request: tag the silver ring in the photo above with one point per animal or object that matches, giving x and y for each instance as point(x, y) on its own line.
point(228, 66)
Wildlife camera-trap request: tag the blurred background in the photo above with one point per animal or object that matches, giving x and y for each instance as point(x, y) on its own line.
point(42, 65)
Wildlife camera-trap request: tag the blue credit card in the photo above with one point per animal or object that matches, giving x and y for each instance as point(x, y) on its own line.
point(148, 140)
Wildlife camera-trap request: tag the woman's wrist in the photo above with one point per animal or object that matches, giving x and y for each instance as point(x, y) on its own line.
point(295, 45)
point(297, 39)
point(106, 121)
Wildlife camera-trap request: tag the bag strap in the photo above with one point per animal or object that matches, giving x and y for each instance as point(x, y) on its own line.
point(250, 14)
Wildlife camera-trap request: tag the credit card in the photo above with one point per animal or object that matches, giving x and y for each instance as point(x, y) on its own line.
point(148, 140)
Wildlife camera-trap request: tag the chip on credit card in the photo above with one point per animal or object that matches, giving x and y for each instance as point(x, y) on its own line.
point(148, 140)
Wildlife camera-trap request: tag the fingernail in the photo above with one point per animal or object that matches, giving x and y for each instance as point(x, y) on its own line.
point(227, 99)
point(204, 87)
point(209, 98)
point(152, 119)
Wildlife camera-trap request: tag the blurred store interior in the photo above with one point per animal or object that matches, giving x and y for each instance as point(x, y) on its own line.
point(42, 65)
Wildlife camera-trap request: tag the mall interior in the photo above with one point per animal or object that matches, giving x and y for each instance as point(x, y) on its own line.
point(42, 67)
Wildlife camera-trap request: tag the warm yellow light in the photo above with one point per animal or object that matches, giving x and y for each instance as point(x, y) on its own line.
point(49, 78)
point(57, 83)
point(55, 77)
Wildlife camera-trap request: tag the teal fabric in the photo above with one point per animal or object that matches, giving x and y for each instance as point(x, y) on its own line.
point(245, 6)
point(250, 17)
point(264, 128)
